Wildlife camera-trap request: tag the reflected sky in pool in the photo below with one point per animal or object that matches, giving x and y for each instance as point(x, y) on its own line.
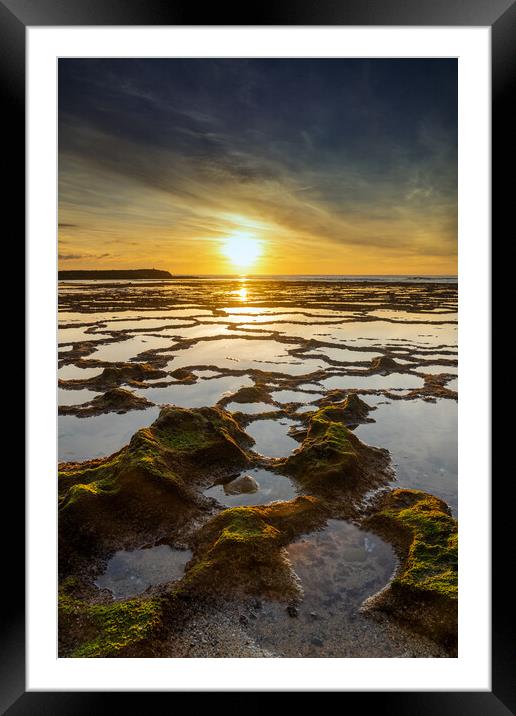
point(272, 487)
point(271, 437)
point(436, 369)
point(129, 573)
point(244, 354)
point(195, 395)
point(422, 440)
point(373, 382)
point(75, 397)
point(122, 351)
point(295, 396)
point(338, 567)
point(75, 372)
point(86, 438)
point(250, 408)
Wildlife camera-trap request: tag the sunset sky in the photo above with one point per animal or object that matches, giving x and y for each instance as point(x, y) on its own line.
point(261, 166)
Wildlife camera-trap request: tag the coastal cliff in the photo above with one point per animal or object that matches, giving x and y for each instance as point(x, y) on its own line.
point(113, 274)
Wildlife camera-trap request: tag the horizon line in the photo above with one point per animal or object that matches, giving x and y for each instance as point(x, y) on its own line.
point(252, 275)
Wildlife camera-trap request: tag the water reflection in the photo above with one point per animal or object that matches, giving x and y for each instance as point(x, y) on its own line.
point(131, 573)
point(75, 372)
point(122, 351)
point(271, 487)
point(295, 396)
point(271, 437)
point(338, 569)
point(241, 353)
point(250, 408)
point(373, 382)
point(75, 397)
point(87, 438)
point(422, 440)
point(196, 395)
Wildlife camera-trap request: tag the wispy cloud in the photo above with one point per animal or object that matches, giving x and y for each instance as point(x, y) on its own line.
point(69, 257)
point(358, 156)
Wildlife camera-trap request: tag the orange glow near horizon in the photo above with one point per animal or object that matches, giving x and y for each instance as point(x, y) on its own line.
point(241, 242)
point(243, 166)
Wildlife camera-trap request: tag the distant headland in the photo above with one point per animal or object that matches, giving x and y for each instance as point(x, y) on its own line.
point(113, 274)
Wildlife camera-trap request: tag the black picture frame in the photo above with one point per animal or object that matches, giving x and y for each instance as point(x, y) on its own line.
point(15, 17)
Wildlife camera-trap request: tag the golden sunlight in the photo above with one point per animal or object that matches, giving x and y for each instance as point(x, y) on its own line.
point(242, 249)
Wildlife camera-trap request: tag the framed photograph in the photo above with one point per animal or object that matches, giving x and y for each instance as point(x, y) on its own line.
point(258, 352)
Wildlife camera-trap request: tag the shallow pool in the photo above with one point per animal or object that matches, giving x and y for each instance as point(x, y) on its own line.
point(338, 567)
point(250, 408)
point(196, 395)
point(373, 382)
point(129, 573)
point(422, 440)
point(75, 397)
point(295, 396)
point(86, 438)
point(272, 487)
point(271, 437)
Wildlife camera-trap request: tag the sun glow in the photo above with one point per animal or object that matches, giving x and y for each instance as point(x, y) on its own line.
point(241, 293)
point(242, 249)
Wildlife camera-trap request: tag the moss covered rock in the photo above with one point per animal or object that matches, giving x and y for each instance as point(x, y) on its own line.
point(241, 550)
point(183, 375)
point(151, 486)
point(385, 363)
point(350, 411)
point(117, 400)
point(113, 376)
point(332, 460)
point(127, 628)
point(250, 394)
point(423, 592)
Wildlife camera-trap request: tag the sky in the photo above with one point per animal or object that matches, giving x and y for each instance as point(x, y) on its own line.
point(258, 166)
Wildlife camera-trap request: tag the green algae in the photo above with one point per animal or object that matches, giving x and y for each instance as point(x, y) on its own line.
point(151, 485)
point(352, 409)
point(431, 561)
point(331, 458)
point(424, 591)
point(250, 394)
point(175, 431)
point(193, 430)
point(108, 630)
point(241, 549)
point(118, 398)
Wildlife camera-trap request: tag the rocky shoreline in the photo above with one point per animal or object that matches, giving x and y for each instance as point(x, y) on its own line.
point(153, 487)
point(241, 593)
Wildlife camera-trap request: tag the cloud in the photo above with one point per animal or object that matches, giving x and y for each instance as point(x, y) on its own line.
point(68, 257)
point(352, 154)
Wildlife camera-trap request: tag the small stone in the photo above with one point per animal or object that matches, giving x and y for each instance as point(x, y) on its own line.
point(244, 484)
point(314, 615)
point(243, 620)
point(292, 610)
point(316, 641)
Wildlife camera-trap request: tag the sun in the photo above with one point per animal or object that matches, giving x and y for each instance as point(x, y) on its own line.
point(242, 249)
